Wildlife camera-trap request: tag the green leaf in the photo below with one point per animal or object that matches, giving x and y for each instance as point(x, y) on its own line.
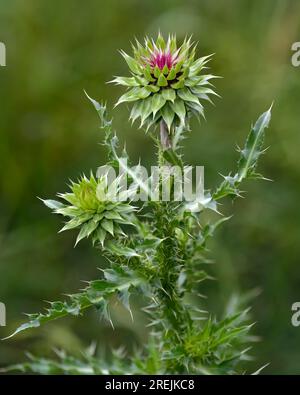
point(248, 159)
point(158, 101)
point(112, 215)
point(178, 85)
point(165, 70)
point(142, 93)
point(200, 90)
point(209, 229)
point(196, 108)
point(171, 156)
point(198, 65)
point(124, 297)
point(108, 226)
point(110, 138)
point(185, 72)
point(100, 235)
point(53, 204)
point(160, 42)
point(129, 96)
point(120, 250)
point(136, 110)
point(117, 279)
point(133, 95)
point(168, 115)
point(141, 80)
point(162, 81)
point(86, 230)
point(253, 147)
point(146, 109)
point(258, 371)
point(77, 221)
point(87, 364)
point(69, 211)
point(147, 74)
point(150, 243)
point(100, 108)
point(169, 94)
point(172, 74)
point(205, 78)
point(179, 108)
point(132, 63)
point(186, 95)
point(125, 81)
point(157, 72)
point(178, 66)
point(192, 81)
point(152, 88)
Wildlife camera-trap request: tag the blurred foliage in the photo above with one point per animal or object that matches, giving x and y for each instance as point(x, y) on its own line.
point(49, 133)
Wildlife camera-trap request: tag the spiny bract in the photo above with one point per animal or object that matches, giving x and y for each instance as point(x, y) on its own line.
point(166, 83)
point(92, 208)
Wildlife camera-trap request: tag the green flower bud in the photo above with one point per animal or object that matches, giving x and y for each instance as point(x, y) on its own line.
point(91, 209)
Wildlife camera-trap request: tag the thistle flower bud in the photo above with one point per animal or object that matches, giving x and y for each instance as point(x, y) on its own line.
point(166, 83)
point(91, 209)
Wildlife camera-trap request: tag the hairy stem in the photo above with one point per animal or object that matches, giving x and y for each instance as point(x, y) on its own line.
point(173, 317)
point(164, 136)
point(172, 313)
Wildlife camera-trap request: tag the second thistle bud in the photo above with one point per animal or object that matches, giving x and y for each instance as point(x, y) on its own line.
point(166, 82)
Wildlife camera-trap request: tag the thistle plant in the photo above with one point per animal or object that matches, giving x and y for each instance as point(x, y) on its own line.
point(160, 257)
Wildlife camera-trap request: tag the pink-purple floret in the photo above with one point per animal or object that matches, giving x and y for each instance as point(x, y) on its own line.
point(162, 59)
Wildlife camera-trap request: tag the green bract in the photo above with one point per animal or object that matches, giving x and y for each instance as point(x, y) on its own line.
point(91, 208)
point(166, 82)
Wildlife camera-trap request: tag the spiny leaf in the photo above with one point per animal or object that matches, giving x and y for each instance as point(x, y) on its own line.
point(179, 108)
point(172, 157)
point(75, 222)
point(248, 159)
point(252, 150)
point(186, 95)
point(87, 364)
point(209, 229)
point(179, 84)
point(258, 371)
point(125, 81)
point(86, 230)
point(133, 95)
point(108, 226)
point(136, 110)
point(120, 250)
point(132, 63)
point(53, 204)
point(168, 115)
point(169, 94)
point(162, 81)
point(97, 292)
point(198, 64)
point(158, 102)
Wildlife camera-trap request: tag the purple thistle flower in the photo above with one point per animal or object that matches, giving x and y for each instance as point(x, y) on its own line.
point(166, 82)
point(162, 59)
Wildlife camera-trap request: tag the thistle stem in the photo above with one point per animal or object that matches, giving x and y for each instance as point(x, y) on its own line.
point(164, 136)
point(171, 312)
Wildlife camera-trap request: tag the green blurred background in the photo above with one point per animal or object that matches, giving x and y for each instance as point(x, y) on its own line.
point(49, 133)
